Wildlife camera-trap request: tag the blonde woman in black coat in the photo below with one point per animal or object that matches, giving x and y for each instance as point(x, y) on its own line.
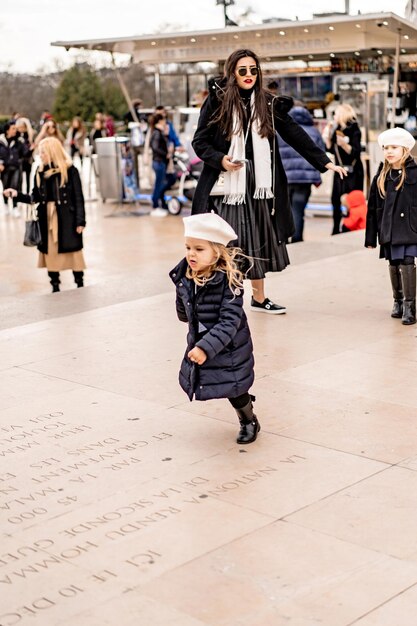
point(61, 212)
point(343, 139)
point(236, 136)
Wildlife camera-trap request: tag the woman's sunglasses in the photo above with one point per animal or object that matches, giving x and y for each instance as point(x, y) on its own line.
point(242, 71)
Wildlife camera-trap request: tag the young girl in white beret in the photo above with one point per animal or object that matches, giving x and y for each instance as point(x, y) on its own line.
point(218, 361)
point(392, 218)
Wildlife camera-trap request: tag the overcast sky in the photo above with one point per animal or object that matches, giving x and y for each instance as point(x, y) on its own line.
point(27, 26)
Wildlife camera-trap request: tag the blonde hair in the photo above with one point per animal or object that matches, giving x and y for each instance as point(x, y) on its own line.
point(225, 262)
point(343, 114)
point(57, 158)
point(386, 168)
point(29, 129)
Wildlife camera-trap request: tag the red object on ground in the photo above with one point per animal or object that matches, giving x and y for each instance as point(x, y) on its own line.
point(356, 203)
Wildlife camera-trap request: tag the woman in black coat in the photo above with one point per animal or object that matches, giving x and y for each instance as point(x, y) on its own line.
point(61, 212)
point(236, 136)
point(343, 139)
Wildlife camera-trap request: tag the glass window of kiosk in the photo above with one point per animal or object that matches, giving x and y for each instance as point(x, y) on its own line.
point(307, 87)
point(290, 86)
point(323, 85)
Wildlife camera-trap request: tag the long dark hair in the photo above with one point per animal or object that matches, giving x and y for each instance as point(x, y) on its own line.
point(231, 101)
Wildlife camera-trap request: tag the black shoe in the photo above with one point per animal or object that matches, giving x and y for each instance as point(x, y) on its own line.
point(79, 278)
point(249, 425)
point(267, 306)
point(409, 312)
point(248, 432)
point(55, 287)
point(397, 309)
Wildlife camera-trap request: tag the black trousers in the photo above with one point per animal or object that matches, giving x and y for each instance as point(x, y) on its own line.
point(10, 177)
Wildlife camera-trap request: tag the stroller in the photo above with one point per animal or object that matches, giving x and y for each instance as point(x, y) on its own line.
point(187, 172)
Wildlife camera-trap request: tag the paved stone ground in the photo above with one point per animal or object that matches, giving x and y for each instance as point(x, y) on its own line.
point(123, 503)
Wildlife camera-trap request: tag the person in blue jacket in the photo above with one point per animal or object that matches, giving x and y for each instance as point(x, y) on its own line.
point(300, 174)
point(218, 361)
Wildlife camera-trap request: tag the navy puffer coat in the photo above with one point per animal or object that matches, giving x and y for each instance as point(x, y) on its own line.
point(297, 169)
point(218, 325)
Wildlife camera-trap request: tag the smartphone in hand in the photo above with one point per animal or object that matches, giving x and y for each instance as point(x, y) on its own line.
point(239, 161)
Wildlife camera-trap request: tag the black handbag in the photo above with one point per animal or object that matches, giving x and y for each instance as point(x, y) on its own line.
point(33, 235)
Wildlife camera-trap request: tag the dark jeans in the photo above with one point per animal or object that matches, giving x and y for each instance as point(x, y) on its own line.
point(299, 194)
point(163, 181)
point(10, 177)
point(161, 184)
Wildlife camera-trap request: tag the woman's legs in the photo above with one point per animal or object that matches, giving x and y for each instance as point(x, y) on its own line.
point(262, 304)
point(299, 194)
point(337, 207)
point(54, 280)
point(158, 192)
point(258, 289)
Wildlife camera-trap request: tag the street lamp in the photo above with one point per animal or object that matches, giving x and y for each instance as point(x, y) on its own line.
point(226, 3)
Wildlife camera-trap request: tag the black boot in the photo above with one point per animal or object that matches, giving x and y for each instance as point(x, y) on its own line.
point(397, 291)
point(79, 278)
point(408, 278)
point(249, 425)
point(54, 280)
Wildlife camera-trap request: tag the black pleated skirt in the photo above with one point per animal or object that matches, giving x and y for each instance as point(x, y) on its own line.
point(252, 221)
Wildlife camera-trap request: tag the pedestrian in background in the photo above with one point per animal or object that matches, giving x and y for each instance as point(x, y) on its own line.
point(13, 149)
point(392, 218)
point(58, 192)
point(160, 157)
point(26, 132)
point(301, 175)
point(75, 139)
point(50, 128)
point(343, 139)
point(218, 361)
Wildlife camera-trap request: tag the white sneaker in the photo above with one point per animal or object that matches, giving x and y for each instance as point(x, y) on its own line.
point(159, 212)
point(16, 212)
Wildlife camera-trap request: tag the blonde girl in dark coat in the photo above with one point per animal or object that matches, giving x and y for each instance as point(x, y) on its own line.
point(218, 361)
point(392, 219)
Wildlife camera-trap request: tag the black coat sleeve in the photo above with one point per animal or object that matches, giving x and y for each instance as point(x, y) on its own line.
point(371, 231)
point(77, 196)
point(204, 136)
point(297, 138)
point(223, 332)
point(31, 198)
point(179, 304)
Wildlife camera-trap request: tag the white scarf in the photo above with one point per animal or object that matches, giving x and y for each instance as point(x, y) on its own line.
point(235, 182)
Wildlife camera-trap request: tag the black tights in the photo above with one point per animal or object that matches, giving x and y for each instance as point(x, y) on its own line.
point(407, 260)
point(240, 401)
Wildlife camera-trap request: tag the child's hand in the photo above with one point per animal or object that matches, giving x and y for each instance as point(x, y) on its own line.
point(197, 355)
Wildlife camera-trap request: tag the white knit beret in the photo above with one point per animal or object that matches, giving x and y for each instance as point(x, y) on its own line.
point(210, 227)
point(396, 137)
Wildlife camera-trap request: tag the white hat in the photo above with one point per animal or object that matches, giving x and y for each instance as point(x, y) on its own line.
point(396, 137)
point(208, 226)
